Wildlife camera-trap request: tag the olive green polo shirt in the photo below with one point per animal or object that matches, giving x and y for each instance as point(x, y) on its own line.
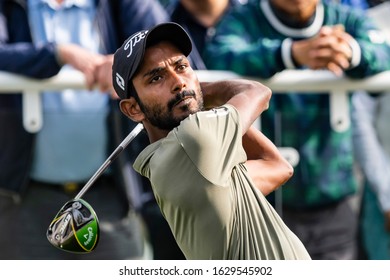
point(203, 189)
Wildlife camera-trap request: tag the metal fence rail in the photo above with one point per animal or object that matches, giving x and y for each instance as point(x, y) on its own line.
point(289, 80)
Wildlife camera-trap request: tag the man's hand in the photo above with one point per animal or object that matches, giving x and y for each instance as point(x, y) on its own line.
point(103, 76)
point(96, 68)
point(330, 49)
point(82, 60)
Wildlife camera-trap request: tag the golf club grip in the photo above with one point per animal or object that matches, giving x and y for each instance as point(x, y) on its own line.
point(139, 127)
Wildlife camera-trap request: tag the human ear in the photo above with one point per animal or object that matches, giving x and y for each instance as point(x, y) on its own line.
point(131, 109)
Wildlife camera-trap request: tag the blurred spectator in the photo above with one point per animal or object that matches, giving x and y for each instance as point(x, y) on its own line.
point(370, 116)
point(198, 18)
point(40, 172)
point(265, 37)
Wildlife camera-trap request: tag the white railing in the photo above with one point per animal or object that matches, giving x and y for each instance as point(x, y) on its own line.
point(287, 81)
point(306, 81)
point(309, 81)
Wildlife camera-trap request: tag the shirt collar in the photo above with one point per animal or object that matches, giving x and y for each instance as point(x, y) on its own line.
point(288, 31)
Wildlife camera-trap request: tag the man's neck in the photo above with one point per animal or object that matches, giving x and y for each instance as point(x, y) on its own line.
point(290, 20)
point(207, 12)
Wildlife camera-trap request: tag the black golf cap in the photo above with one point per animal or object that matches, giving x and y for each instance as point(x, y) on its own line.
point(129, 56)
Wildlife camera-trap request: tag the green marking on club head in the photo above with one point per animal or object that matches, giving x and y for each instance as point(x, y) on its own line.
point(88, 236)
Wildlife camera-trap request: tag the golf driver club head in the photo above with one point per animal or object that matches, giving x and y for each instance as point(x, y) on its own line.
point(75, 228)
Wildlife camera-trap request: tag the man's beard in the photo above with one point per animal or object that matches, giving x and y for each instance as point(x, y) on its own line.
point(163, 118)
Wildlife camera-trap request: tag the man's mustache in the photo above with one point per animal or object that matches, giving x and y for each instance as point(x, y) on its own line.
point(179, 96)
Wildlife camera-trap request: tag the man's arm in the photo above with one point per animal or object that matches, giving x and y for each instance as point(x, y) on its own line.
point(250, 98)
point(29, 60)
point(266, 166)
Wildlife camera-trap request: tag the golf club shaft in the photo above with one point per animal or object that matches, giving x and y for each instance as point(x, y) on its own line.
point(110, 159)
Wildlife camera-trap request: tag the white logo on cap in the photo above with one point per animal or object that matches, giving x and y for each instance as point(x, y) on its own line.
point(120, 81)
point(134, 40)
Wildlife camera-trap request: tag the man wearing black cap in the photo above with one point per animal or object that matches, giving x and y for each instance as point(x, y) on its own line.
point(205, 156)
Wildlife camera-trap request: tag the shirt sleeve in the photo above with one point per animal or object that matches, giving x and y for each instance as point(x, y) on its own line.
point(213, 142)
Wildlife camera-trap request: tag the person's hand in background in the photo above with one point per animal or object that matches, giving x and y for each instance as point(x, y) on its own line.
point(330, 49)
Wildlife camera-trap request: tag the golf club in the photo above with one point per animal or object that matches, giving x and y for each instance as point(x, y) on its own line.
point(75, 228)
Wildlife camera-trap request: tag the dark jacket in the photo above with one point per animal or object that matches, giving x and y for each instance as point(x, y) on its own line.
point(116, 21)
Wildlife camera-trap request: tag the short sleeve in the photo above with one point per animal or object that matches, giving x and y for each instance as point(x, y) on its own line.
point(213, 142)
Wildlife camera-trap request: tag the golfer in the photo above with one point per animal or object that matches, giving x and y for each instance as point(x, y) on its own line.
point(208, 166)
